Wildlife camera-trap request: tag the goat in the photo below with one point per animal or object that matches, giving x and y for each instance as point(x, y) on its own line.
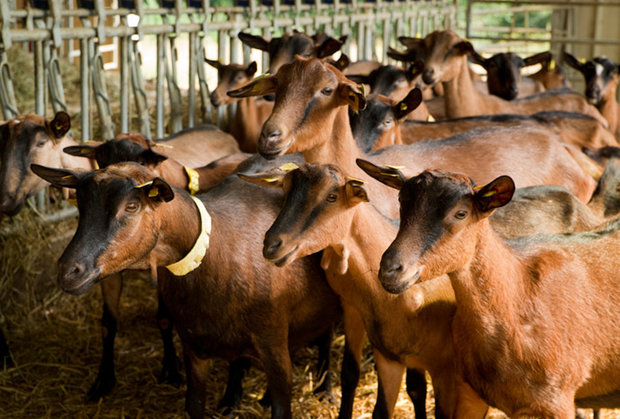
point(383, 122)
point(251, 113)
point(504, 73)
point(395, 83)
point(32, 139)
point(311, 116)
point(324, 209)
point(544, 306)
point(283, 49)
point(601, 76)
point(446, 63)
point(225, 301)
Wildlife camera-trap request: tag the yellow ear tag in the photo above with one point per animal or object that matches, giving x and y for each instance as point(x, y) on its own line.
point(144, 184)
point(489, 194)
point(270, 179)
point(363, 89)
point(552, 65)
point(164, 145)
point(582, 60)
point(154, 192)
point(395, 167)
point(193, 185)
point(287, 167)
point(477, 188)
point(58, 125)
point(67, 177)
point(430, 118)
point(403, 106)
point(354, 179)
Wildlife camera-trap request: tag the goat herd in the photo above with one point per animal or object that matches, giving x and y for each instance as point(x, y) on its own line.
point(500, 280)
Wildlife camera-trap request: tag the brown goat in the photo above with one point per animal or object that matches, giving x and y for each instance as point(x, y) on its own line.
point(251, 113)
point(324, 209)
point(535, 329)
point(311, 116)
point(601, 76)
point(232, 303)
point(446, 63)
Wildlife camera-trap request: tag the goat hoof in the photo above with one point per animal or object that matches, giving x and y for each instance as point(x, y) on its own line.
point(170, 374)
point(102, 386)
point(228, 403)
point(325, 396)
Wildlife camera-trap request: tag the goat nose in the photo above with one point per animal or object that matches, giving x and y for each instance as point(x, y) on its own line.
point(70, 273)
point(271, 247)
point(390, 271)
point(428, 76)
point(215, 99)
point(269, 143)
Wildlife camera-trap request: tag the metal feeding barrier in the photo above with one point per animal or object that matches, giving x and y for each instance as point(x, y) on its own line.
point(105, 37)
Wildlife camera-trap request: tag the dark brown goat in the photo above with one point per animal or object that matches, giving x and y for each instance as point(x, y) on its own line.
point(535, 330)
point(227, 306)
point(311, 116)
point(504, 73)
point(283, 49)
point(601, 75)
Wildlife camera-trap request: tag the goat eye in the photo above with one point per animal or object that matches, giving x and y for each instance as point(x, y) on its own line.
point(388, 121)
point(332, 197)
point(41, 143)
point(132, 207)
point(327, 91)
point(460, 215)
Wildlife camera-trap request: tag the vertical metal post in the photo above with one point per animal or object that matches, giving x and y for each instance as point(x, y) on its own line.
point(124, 58)
point(159, 111)
point(85, 89)
point(39, 78)
point(191, 88)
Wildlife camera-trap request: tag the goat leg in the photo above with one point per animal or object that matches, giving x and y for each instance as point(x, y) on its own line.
point(390, 378)
point(355, 333)
point(324, 389)
point(276, 359)
point(416, 389)
point(111, 289)
point(234, 389)
point(196, 370)
point(171, 364)
point(6, 361)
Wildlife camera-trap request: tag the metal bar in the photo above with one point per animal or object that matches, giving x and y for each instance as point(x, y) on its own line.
point(39, 78)
point(85, 89)
point(138, 90)
point(553, 2)
point(191, 88)
point(159, 130)
point(561, 40)
point(124, 93)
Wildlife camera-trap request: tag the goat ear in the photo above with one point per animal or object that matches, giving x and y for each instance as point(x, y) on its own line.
point(352, 96)
point(388, 175)
point(81, 151)
point(463, 47)
point(343, 62)
point(214, 63)
point(269, 179)
point(398, 56)
point(476, 58)
point(251, 70)
point(414, 70)
point(60, 125)
point(572, 61)
point(254, 41)
point(62, 178)
point(157, 190)
point(411, 43)
point(260, 86)
point(495, 194)
point(359, 78)
point(355, 192)
point(540, 58)
point(408, 104)
point(151, 157)
point(328, 47)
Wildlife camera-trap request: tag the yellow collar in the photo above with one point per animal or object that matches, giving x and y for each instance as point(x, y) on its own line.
point(194, 258)
point(193, 185)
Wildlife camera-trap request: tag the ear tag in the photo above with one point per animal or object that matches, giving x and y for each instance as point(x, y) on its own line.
point(395, 167)
point(270, 179)
point(489, 194)
point(353, 179)
point(144, 184)
point(164, 145)
point(430, 118)
point(67, 177)
point(287, 167)
point(477, 188)
point(403, 106)
point(582, 60)
point(363, 89)
point(58, 126)
point(552, 65)
point(154, 192)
